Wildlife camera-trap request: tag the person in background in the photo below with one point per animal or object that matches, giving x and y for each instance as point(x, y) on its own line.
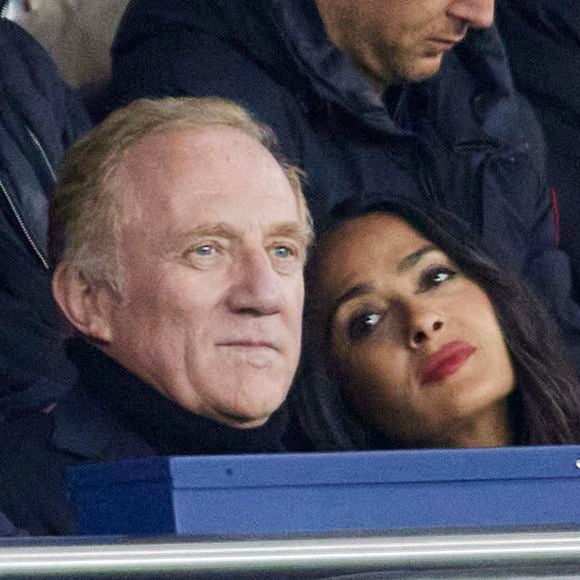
point(542, 39)
point(39, 118)
point(426, 341)
point(77, 34)
point(177, 242)
point(370, 95)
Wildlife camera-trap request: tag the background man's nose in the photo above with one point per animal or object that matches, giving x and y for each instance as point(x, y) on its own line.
point(257, 287)
point(475, 13)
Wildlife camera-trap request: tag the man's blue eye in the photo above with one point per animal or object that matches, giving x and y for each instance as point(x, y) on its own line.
point(206, 250)
point(363, 325)
point(282, 252)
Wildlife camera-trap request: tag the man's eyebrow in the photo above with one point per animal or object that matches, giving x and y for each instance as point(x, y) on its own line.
point(210, 229)
point(413, 259)
point(297, 230)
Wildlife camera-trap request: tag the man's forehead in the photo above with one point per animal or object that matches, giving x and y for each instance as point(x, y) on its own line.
point(201, 155)
point(203, 140)
point(172, 184)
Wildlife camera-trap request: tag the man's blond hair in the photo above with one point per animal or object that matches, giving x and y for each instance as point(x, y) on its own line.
point(87, 210)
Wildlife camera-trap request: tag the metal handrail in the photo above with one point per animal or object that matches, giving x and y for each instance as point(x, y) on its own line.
point(292, 557)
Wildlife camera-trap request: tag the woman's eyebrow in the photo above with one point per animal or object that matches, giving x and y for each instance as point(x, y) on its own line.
point(363, 289)
point(413, 259)
point(354, 292)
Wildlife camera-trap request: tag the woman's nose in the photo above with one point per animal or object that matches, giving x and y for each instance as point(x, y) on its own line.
point(424, 323)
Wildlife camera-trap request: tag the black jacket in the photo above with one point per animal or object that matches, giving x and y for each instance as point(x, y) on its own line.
point(542, 38)
point(464, 140)
point(7, 530)
point(110, 415)
point(39, 118)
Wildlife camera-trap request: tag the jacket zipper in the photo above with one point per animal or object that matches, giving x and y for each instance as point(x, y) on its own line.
point(15, 211)
point(42, 152)
point(4, 7)
point(23, 227)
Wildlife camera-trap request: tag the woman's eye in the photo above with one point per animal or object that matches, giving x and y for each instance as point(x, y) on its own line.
point(435, 277)
point(362, 325)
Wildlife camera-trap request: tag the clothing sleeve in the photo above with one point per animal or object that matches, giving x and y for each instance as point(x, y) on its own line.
point(34, 495)
point(39, 118)
point(551, 32)
point(548, 267)
point(7, 530)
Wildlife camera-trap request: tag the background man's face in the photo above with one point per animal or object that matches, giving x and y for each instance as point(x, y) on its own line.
point(393, 41)
point(213, 252)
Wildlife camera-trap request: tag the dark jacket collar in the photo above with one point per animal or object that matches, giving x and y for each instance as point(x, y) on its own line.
point(112, 414)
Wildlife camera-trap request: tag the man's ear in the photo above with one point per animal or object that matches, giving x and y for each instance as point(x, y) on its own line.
point(86, 305)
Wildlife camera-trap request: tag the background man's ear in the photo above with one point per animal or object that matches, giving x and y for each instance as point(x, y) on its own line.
point(85, 304)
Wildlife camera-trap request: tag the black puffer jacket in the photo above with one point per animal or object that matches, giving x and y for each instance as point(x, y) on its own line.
point(39, 118)
point(542, 38)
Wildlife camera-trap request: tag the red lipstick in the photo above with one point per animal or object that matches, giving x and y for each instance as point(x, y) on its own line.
point(446, 361)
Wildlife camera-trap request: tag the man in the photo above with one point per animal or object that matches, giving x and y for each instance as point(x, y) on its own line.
point(178, 243)
point(406, 98)
point(39, 118)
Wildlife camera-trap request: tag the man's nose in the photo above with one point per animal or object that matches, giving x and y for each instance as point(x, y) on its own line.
point(475, 13)
point(256, 287)
point(424, 323)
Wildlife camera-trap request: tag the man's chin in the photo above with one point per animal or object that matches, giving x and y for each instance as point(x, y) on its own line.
point(237, 421)
point(250, 423)
point(424, 69)
point(249, 414)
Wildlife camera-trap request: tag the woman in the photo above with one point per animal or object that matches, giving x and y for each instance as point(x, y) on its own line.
point(426, 341)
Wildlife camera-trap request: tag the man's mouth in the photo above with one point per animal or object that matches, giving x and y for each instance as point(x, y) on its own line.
point(445, 44)
point(248, 344)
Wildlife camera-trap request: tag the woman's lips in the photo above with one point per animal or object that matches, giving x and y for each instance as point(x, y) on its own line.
point(446, 361)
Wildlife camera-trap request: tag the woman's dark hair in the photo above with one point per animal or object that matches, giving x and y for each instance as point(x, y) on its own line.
point(545, 404)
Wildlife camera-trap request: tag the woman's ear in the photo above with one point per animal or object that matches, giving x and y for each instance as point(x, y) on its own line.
point(85, 304)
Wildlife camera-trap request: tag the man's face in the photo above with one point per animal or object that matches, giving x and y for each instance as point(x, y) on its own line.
point(212, 253)
point(393, 41)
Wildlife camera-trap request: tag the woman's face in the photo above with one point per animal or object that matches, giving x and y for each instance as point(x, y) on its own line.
point(417, 343)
